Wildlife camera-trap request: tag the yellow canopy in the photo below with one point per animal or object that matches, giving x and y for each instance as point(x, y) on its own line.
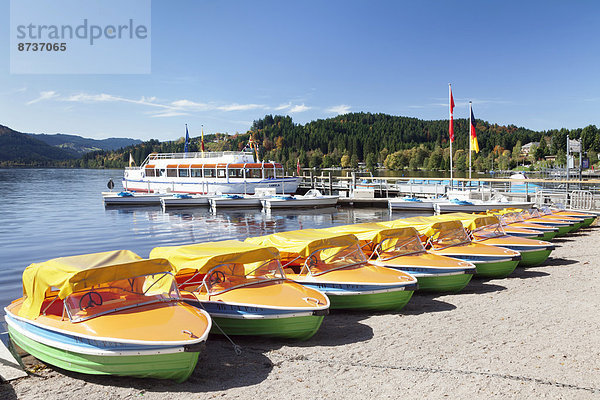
point(506, 211)
point(303, 242)
point(427, 226)
point(470, 221)
point(203, 257)
point(373, 232)
point(70, 274)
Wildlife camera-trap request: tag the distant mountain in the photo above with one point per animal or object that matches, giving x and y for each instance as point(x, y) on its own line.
point(17, 148)
point(78, 145)
point(20, 148)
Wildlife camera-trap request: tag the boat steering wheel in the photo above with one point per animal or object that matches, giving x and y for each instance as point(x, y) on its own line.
point(312, 261)
point(94, 299)
point(216, 277)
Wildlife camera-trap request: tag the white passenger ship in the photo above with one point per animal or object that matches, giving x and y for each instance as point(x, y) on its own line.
point(207, 172)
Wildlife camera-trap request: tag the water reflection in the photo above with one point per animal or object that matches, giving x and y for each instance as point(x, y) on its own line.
point(55, 213)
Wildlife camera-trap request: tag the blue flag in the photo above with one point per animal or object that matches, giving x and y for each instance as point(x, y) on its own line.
point(187, 139)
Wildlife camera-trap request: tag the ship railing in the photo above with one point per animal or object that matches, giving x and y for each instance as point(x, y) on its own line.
point(195, 155)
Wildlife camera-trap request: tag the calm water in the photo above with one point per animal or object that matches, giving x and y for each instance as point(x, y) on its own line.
point(48, 213)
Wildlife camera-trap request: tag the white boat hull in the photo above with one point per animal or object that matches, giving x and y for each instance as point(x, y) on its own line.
point(224, 202)
point(399, 204)
point(299, 202)
point(201, 186)
point(448, 207)
point(194, 201)
point(137, 199)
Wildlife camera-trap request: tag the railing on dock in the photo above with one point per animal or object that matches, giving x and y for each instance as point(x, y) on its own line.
point(584, 194)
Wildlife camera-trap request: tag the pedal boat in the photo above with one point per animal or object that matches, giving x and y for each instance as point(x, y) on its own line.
point(110, 313)
point(489, 230)
point(245, 290)
point(522, 232)
point(335, 265)
point(401, 249)
point(564, 226)
point(514, 219)
point(508, 229)
point(449, 238)
point(588, 218)
point(578, 221)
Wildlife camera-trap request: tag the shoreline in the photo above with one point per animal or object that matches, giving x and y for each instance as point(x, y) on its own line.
point(530, 335)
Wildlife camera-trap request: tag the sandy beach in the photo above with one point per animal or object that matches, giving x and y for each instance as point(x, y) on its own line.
point(535, 334)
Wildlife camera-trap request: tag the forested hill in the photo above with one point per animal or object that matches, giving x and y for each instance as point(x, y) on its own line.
point(378, 135)
point(18, 148)
point(80, 145)
point(346, 140)
point(403, 142)
point(28, 149)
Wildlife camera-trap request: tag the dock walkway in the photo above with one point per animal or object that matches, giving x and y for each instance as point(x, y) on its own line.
point(374, 191)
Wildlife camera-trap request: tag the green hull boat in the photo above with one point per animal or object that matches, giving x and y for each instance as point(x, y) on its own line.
point(533, 258)
point(563, 230)
point(577, 226)
point(549, 235)
point(298, 328)
point(382, 301)
point(549, 232)
point(176, 366)
point(444, 284)
point(496, 269)
point(588, 221)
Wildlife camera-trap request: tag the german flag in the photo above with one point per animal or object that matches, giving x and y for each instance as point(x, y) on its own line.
point(474, 143)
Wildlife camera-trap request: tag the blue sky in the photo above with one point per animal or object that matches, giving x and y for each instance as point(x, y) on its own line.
point(223, 64)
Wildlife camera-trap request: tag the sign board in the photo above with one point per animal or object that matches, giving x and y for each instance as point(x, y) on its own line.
point(585, 163)
point(575, 146)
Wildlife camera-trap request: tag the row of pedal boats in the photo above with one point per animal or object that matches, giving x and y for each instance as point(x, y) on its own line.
point(267, 199)
point(118, 313)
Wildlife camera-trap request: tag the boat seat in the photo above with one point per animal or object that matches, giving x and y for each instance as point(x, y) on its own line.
point(181, 278)
point(190, 287)
point(55, 308)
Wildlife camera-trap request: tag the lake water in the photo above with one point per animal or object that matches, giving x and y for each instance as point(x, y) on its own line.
point(48, 213)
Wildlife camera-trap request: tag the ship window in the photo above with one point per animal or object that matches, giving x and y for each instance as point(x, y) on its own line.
point(269, 173)
point(254, 173)
point(235, 173)
point(221, 173)
point(279, 172)
point(209, 173)
point(150, 172)
point(172, 172)
point(184, 172)
point(196, 173)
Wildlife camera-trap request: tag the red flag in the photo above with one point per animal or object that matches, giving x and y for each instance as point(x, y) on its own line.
point(451, 127)
point(298, 167)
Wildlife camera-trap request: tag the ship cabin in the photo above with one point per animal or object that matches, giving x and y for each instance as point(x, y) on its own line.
point(209, 167)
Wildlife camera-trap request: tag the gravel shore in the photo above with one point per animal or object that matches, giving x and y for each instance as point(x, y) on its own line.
point(532, 335)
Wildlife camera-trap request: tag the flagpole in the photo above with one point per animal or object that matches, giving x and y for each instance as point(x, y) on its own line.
point(450, 117)
point(185, 146)
point(470, 139)
point(202, 139)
